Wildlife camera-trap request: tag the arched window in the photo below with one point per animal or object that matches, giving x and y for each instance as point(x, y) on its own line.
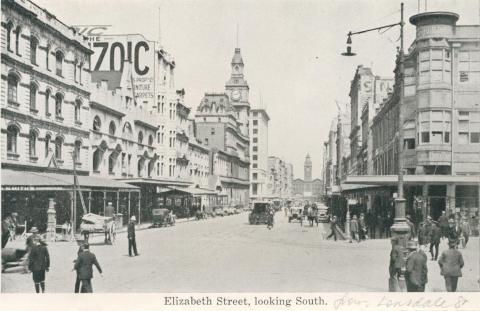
point(141, 163)
point(33, 50)
point(58, 104)
point(77, 149)
point(112, 128)
point(59, 63)
point(127, 129)
point(150, 140)
point(47, 101)
point(58, 147)
point(78, 106)
point(12, 133)
point(47, 57)
point(97, 124)
point(12, 88)
point(32, 143)
point(9, 35)
point(112, 160)
point(140, 137)
point(17, 40)
point(75, 62)
point(33, 96)
point(97, 159)
point(48, 138)
point(80, 72)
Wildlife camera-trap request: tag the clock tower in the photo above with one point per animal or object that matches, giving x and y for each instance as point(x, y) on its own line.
point(237, 90)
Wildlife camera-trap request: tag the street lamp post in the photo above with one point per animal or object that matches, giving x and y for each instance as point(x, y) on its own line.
point(400, 227)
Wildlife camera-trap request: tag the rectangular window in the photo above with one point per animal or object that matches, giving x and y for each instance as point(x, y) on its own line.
point(425, 137)
point(255, 140)
point(255, 131)
point(447, 137)
point(475, 137)
point(255, 157)
point(254, 165)
point(409, 143)
point(437, 137)
point(212, 131)
point(255, 113)
point(462, 138)
point(255, 122)
point(254, 176)
point(255, 148)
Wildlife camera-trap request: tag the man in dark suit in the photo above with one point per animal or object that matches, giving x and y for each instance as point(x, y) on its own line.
point(416, 270)
point(397, 260)
point(451, 264)
point(77, 281)
point(38, 263)
point(132, 243)
point(453, 233)
point(83, 265)
point(443, 223)
point(435, 235)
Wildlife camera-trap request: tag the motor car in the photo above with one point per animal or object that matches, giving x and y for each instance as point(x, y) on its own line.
point(296, 214)
point(259, 214)
point(219, 211)
point(229, 210)
point(322, 212)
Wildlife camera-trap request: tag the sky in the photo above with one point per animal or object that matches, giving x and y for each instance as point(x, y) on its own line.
point(291, 50)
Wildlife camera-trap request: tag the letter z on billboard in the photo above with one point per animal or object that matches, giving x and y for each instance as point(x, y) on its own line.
point(112, 51)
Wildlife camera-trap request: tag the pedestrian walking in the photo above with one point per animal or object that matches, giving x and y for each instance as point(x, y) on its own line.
point(77, 281)
point(362, 228)
point(411, 232)
point(354, 229)
point(333, 223)
point(397, 262)
point(451, 264)
point(453, 233)
point(465, 226)
point(38, 264)
point(85, 261)
point(443, 223)
point(132, 243)
point(416, 269)
point(423, 234)
point(435, 235)
point(5, 232)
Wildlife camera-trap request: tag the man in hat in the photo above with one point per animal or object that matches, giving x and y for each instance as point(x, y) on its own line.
point(132, 243)
point(397, 260)
point(453, 233)
point(38, 263)
point(354, 229)
point(83, 265)
point(77, 281)
point(443, 223)
point(435, 235)
point(333, 222)
point(465, 227)
point(416, 269)
point(451, 264)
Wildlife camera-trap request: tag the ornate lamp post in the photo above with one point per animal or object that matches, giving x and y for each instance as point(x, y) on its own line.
point(399, 227)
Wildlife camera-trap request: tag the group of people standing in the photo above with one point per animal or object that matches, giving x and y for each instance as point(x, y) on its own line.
point(430, 234)
point(38, 260)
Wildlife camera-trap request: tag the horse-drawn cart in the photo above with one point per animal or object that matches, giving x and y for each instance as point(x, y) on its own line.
point(92, 223)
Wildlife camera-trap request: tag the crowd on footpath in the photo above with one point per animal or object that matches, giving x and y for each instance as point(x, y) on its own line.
point(38, 259)
point(454, 230)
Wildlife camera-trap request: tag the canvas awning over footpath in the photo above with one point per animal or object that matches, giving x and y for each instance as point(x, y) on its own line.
point(190, 190)
point(13, 180)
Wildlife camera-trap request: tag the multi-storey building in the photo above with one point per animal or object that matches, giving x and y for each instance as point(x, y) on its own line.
point(259, 153)
point(277, 178)
point(307, 188)
point(441, 128)
point(45, 114)
point(367, 92)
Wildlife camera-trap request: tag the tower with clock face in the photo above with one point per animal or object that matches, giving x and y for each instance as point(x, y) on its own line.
point(237, 90)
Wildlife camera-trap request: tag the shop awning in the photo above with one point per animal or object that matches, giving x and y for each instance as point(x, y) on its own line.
point(13, 180)
point(195, 191)
point(392, 180)
point(153, 181)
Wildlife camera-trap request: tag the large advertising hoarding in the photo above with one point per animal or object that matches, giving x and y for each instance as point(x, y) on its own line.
point(112, 51)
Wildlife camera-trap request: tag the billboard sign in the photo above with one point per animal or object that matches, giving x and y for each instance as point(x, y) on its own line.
point(110, 52)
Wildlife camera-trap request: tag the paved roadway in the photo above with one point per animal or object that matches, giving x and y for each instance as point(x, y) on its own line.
point(226, 254)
